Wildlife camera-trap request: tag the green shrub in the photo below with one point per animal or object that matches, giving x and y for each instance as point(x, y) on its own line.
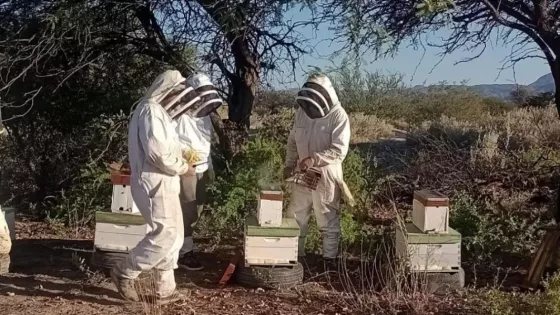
point(496, 302)
point(233, 196)
point(487, 234)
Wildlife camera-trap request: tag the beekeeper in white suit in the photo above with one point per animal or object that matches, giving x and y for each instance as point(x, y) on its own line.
point(319, 138)
point(156, 163)
point(195, 133)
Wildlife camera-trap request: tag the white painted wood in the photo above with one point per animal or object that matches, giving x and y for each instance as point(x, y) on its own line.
point(122, 229)
point(122, 200)
point(428, 257)
point(113, 241)
point(275, 242)
point(116, 237)
point(430, 219)
point(269, 212)
point(270, 250)
point(10, 217)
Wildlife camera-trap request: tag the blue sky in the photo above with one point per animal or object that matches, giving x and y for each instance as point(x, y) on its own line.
point(483, 70)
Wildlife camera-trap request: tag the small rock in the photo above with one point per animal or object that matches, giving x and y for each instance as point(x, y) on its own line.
point(259, 290)
point(10, 294)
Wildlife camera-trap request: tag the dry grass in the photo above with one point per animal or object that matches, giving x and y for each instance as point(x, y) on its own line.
point(368, 128)
point(147, 288)
point(365, 128)
point(382, 283)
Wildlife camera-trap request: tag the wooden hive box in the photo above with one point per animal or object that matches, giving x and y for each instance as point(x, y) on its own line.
point(122, 198)
point(276, 246)
point(430, 211)
point(269, 211)
point(118, 232)
point(428, 252)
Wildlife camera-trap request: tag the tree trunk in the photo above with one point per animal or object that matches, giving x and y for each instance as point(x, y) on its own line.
point(244, 85)
point(243, 97)
point(555, 69)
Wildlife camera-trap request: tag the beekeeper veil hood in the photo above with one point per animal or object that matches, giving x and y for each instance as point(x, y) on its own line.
point(317, 97)
point(171, 90)
point(210, 99)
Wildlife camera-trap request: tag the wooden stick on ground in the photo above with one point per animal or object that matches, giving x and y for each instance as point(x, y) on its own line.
point(542, 256)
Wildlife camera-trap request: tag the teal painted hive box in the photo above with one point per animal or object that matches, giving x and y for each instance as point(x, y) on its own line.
point(271, 246)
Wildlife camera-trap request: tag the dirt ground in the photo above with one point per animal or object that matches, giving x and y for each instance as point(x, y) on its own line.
point(50, 275)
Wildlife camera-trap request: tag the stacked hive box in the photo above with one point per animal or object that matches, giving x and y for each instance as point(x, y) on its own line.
point(122, 228)
point(270, 240)
point(428, 244)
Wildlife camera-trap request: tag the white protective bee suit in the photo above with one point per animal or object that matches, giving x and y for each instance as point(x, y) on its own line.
point(156, 162)
point(195, 131)
point(321, 131)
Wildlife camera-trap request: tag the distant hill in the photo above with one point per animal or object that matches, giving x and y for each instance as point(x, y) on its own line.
point(501, 91)
point(543, 84)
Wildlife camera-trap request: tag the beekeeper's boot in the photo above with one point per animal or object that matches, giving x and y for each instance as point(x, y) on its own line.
point(174, 297)
point(330, 265)
point(125, 287)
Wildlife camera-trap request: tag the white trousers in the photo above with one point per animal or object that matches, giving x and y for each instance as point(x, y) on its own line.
point(327, 215)
point(159, 249)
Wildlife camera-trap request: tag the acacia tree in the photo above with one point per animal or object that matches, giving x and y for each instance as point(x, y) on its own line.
point(243, 43)
point(59, 71)
point(530, 26)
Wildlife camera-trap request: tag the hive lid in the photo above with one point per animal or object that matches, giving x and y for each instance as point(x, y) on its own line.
point(430, 198)
point(272, 195)
point(119, 218)
point(415, 236)
point(289, 228)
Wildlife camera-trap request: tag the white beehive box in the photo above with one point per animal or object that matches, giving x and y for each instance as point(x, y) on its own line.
point(428, 252)
point(430, 211)
point(122, 198)
point(10, 217)
point(269, 211)
point(118, 231)
point(275, 246)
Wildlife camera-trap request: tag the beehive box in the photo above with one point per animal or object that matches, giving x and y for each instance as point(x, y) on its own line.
point(269, 211)
point(118, 232)
point(430, 211)
point(276, 246)
point(122, 198)
point(10, 217)
point(428, 252)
